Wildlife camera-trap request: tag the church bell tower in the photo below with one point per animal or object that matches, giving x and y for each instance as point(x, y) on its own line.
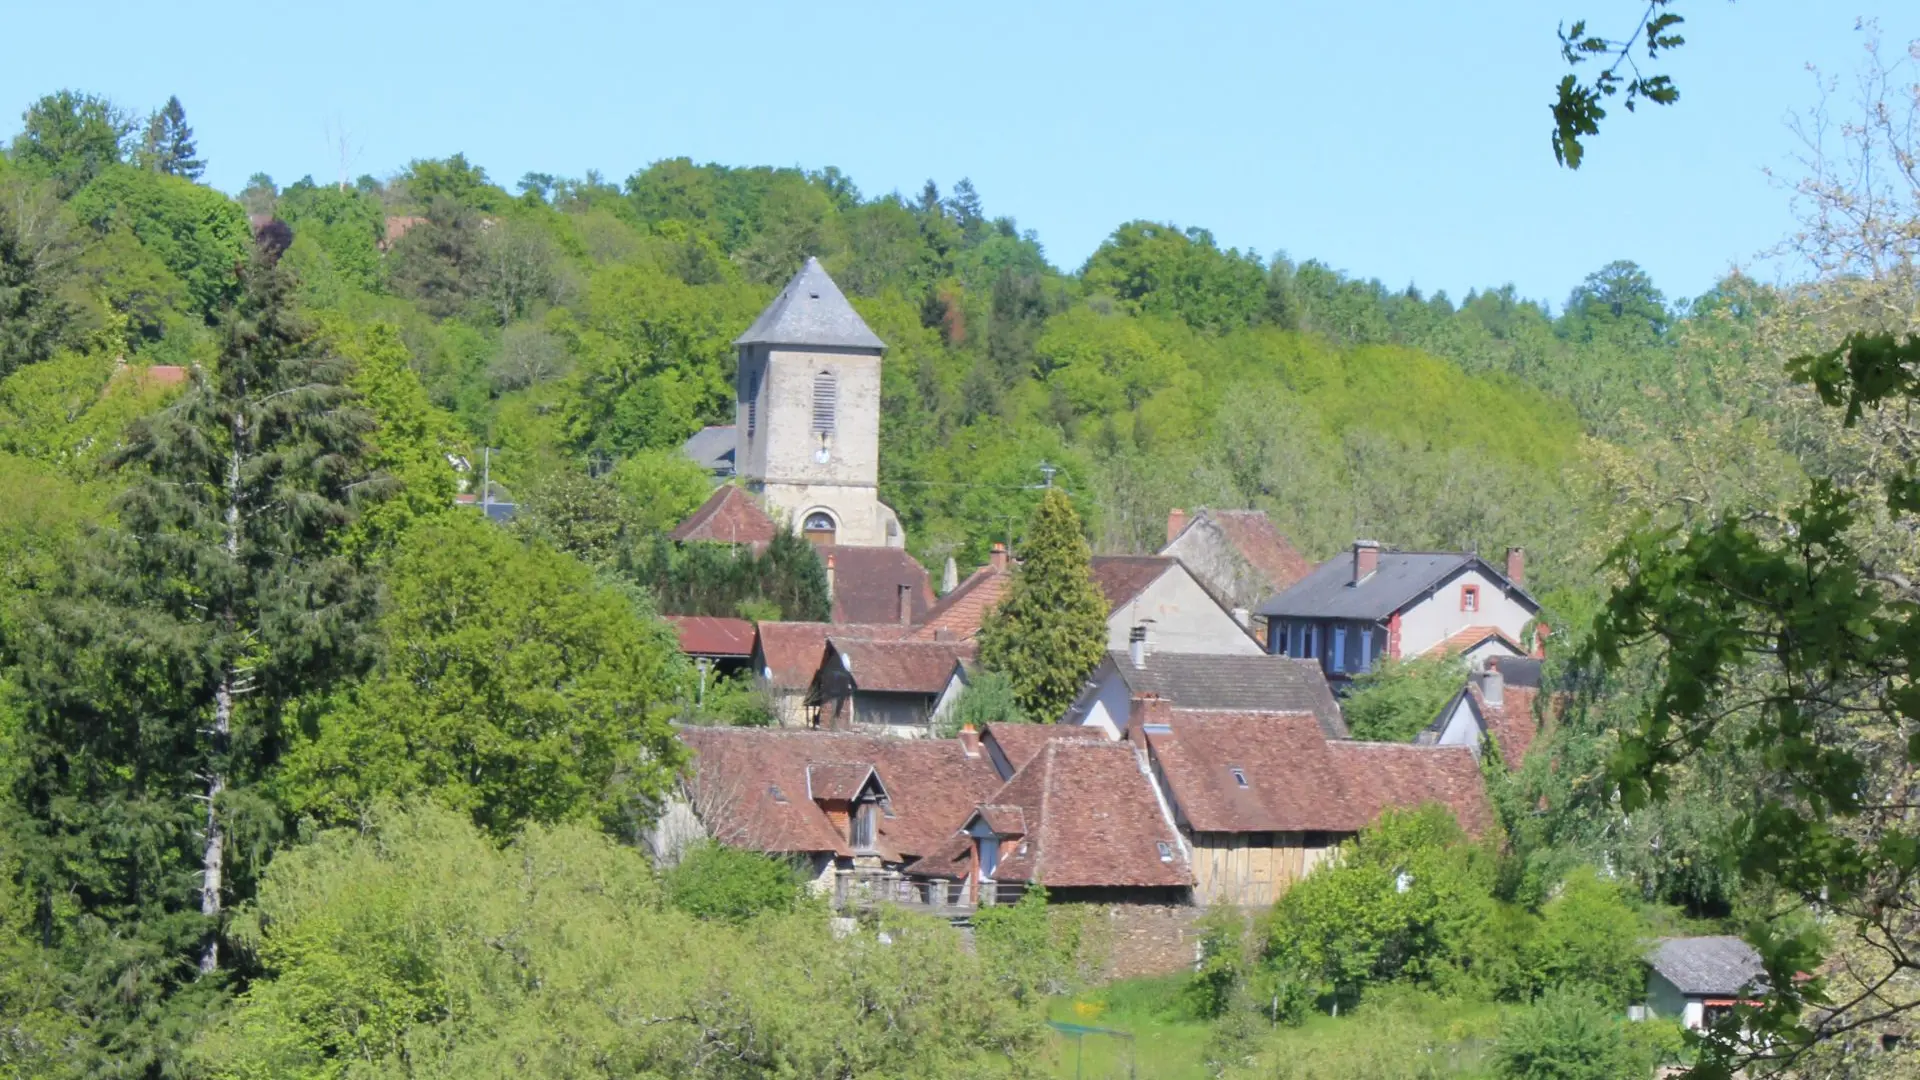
point(807, 415)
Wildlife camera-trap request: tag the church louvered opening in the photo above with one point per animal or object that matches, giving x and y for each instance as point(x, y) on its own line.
point(753, 402)
point(826, 398)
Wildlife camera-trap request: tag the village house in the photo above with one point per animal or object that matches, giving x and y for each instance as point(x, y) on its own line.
point(1698, 980)
point(897, 687)
point(1237, 555)
point(1356, 609)
point(1263, 799)
point(729, 516)
point(1080, 817)
point(1259, 683)
point(838, 802)
point(1150, 594)
point(718, 647)
point(787, 658)
point(1495, 706)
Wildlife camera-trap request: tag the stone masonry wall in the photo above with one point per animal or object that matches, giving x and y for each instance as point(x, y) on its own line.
point(1150, 939)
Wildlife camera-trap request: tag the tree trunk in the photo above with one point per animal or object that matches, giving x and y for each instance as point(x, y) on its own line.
point(213, 857)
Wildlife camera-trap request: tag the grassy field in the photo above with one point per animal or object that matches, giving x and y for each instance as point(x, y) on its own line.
point(1397, 1034)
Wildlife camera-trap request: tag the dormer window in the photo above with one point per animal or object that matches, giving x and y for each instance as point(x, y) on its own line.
point(1239, 775)
point(1166, 850)
point(774, 792)
point(1469, 598)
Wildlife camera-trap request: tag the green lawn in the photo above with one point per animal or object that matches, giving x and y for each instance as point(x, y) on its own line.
point(1397, 1034)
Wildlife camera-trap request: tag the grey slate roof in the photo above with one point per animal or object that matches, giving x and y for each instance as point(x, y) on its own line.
point(1399, 578)
point(712, 447)
point(1231, 683)
point(1708, 966)
point(1520, 671)
point(811, 310)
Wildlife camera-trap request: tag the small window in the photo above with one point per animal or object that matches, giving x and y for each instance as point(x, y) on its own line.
point(826, 399)
point(1239, 777)
point(1166, 850)
point(774, 791)
point(863, 827)
point(1469, 598)
point(819, 527)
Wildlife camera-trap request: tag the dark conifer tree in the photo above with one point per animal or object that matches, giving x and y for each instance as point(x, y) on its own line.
point(156, 681)
point(168, 145)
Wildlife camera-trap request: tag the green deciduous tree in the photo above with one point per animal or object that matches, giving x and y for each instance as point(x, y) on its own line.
point(1050, 631)
point(1395, 700)
point(200, 234)
point(1566, 1037)
point(513, 687)
point(35, 253)
point(713, 881)
point(70, 138)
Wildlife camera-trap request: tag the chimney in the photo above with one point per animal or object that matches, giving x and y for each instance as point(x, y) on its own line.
point(1176, 523)
point(1493, 685)
point(969, 741)
point(1366, 559)
point(1517, 565)
point(1144, 710)
point(829, 577)
point(998, 560)
point(1137, 646)
point(905, 604)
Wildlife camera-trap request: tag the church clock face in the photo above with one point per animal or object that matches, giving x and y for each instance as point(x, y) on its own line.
point(823, 455)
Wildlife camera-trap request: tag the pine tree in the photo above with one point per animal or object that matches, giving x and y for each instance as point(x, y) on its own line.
point(168, 146)
point(1049, 633)
point(156, 682)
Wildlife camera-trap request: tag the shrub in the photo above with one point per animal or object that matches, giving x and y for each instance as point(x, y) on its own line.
point(1566, 1036)
point(713, 881)
point(1590, 938)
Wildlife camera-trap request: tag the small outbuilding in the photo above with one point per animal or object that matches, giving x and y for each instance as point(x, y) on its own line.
point(1697, 980)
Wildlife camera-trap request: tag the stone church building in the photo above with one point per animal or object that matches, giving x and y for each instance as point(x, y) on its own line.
point(806, 433)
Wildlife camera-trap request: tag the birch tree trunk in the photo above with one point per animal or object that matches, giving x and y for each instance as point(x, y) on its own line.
point(213, 857)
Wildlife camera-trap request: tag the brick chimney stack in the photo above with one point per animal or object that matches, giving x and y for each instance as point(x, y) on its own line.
point(1366, 559)
point(969, 741)
point(1517, 565)
point(1144, 710)
point(829, 577)
point(1176, 523)
point(998, 560)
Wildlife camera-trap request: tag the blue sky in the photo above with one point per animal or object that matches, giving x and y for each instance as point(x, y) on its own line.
point(1400, 140)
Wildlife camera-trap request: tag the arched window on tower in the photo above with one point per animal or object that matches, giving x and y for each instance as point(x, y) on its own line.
point(826, 398)
point(819, 527)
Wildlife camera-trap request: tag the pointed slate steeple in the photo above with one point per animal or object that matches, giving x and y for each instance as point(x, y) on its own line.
point(811, 310)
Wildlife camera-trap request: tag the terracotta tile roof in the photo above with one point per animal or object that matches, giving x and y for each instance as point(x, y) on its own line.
point(867, 580)
point(1379, 776)
point(1003, 820)
point(922, 667)
point(1299, 780)
point(837, 781)
point(1515, 724)
point(1017, 743)
point(1258, 542)
point(706, 635)
point(960, 612)
point(1471, 637)
point(790, 652)
point(931, 787)
point(1091, 819)
point(1120, 578)
point(729, 516)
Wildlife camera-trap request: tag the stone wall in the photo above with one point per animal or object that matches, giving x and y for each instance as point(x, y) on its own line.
point(1150, 939)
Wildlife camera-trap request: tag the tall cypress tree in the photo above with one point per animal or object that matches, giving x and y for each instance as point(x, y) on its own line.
point(157, 679)
point(1050, 631)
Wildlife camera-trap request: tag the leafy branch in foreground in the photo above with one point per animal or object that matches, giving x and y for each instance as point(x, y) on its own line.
point(1577, 110)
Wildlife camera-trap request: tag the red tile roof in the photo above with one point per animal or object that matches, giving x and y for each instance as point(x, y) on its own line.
point(1120, 578)
point(960, 612)
point(1018, 743)
point(1090, 818)
point(920, 667)
point(1471, 637)
point(931, 787)
point(867, 580)
point(706, 635)
point(790, 652)
point(1258, 542)
point(729, 516)
point(1512, 725)
point(1299, 780)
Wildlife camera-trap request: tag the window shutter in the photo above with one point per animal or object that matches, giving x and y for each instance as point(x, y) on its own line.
point(826, 397)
